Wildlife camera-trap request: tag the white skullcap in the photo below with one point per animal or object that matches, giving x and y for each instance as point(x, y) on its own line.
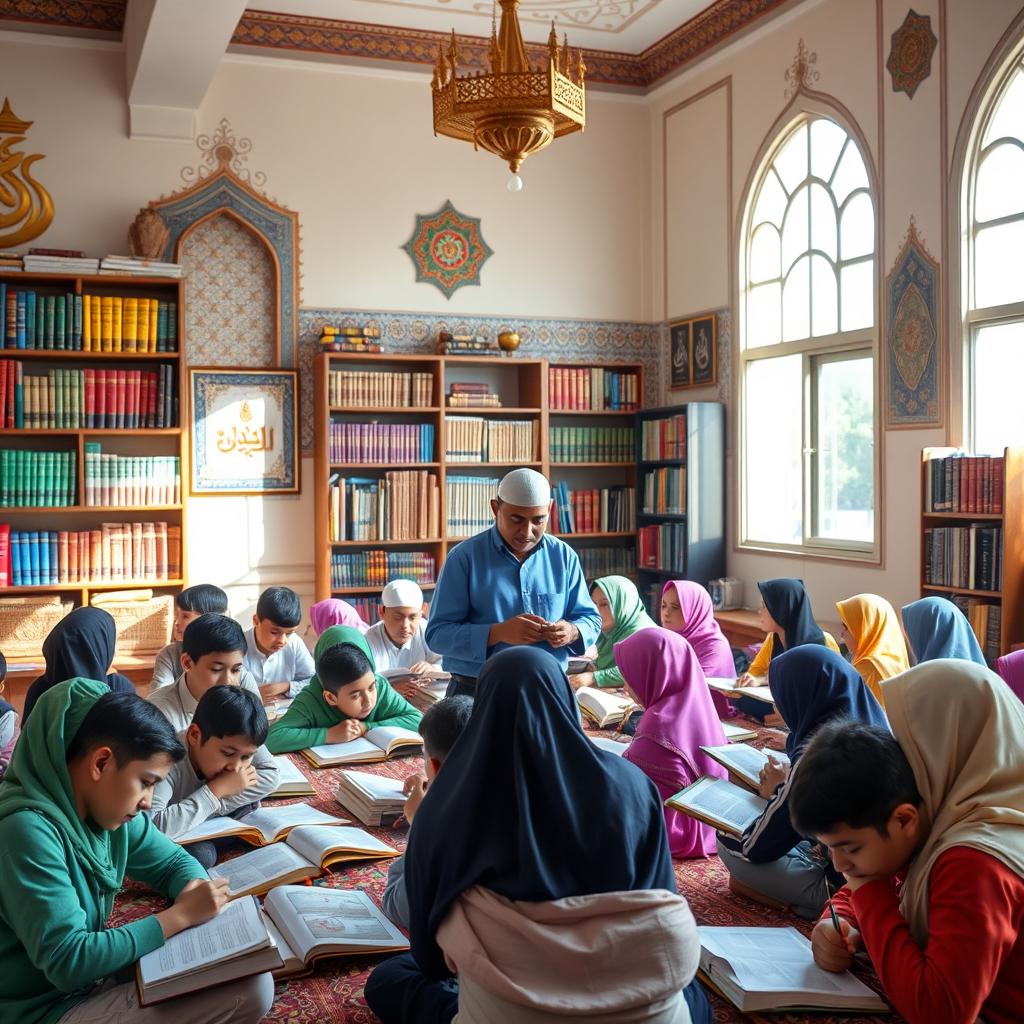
point(526, 488)
point(402, 594)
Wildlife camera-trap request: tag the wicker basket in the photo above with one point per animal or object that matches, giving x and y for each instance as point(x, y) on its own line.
point(25, 623)
point(143, 621)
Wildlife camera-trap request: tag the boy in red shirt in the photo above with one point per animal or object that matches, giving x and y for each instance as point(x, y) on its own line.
point(927, 825)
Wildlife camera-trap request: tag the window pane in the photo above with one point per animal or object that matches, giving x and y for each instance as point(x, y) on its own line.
point(827, 140)
point(1000, 188)
point(773, 486)
point(844, 459)
point(998, 371)
point(997, 264)
point(857, 233)
point(1008, 120)
point(824, 298)
point(796, 302)
point(764, 315)
point(858, 296)
point(771, 203)
point(823, 222)
point(765, 258)
point(795, 232)
point(849, 175)
point(791, 163)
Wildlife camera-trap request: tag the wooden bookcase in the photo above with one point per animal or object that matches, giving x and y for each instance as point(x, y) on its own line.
point(1010, 597)
point(136, 442)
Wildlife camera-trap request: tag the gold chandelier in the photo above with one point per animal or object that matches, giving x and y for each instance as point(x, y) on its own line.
point(516, 109)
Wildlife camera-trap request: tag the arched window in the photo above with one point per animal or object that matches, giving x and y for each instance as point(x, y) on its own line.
point(807, 346)
point(994, 293)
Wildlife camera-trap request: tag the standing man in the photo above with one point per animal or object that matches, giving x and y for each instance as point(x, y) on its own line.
point(511, 584)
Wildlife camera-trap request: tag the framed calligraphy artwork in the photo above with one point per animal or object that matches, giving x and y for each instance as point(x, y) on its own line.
point(693, 352)
point(244, 438)
point(679, 355)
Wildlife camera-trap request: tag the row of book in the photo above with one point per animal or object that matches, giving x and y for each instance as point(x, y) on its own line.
point(363, 340)
point(665, 491)
point(662, 547)
point(353, 389)
point(375, 568)
point(599, 561)
point(664, 439)
point(591, 444)
point(63, 399)
point(964, 483)
point(367, 607)
point(966, 557)
point(381, 442)
point(595, 510)
point(130, 479)
point(114, 553)
point(74, 261)
point(475, 439)
point(44, 479)
point(593, 388)
point(468, 500)
point(401, 505)
point(86, 323)
point(986, 621)
point(472, 395)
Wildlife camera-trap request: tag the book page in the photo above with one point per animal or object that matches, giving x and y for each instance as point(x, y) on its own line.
point(292, 961)
point(737, 732)
point(375, 787)
point(612, 746)
point(315, 841)
point(289, 770)
point(384, 736)
point(212, 827)
point(725, 684)
point(261, 865)
point(602, 702)
point(351, 750)
point(721, 800)
point(272, 821)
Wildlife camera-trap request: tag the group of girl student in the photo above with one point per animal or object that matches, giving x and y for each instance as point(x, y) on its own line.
point(509, 878)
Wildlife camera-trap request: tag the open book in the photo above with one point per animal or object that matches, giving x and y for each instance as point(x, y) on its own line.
point(603, 707)
point(262, 827)
point(735, 733)
point(290, 781)
point(235, 944)
point(730, 689)
point(773, 969)
point(307, 852)
point(309, 924)
point(377, 745)
point(373, 799)
point(719, 803)
point(743, 761)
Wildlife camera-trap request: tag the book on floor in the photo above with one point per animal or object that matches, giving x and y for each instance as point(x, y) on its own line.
point(290, 780)
point(760, 692)
point(616, 747)
point(719, 803)
point(429, 693)
point(235, 944)
point(307, 852)
point(309, 924)
point(603, 707)
point(734, 733)
point(260, 828)
point(377, 745)
point(744, 761)
point(402, 675)
point(774, 969)
point(373, 799)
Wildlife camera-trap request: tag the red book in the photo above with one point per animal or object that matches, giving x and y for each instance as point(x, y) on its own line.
point(3, 395)
point(74, 543)
point(997, 485)
point(12, 376)
point(5, 555)
point(131, 399)
point(110, 400)
point(99, 399)
point(90, 398)
point(122, 396)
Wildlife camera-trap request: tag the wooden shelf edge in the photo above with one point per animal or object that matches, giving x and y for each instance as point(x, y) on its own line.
point(996, 595)
point(380, 543)
point(90, 431)
point(373, 590)
point(45, 588)
point(9, 509)
point(77, 353)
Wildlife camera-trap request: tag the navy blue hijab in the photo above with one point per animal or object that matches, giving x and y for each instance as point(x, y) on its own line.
point(812, 685)
point(528, 807)
point(788, 604)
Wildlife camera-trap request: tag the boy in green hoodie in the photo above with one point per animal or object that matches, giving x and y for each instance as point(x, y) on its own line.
point(70, 831)
point(343, 701)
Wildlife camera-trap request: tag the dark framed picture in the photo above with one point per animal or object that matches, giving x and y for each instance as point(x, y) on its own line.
point(679, 353)
point(704, 351)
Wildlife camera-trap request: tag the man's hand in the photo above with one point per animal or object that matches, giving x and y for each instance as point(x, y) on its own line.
point(773, 775)
point(520, 629)
point(231, 782)
point(271, 691)
point(197, 902)
point(343, 732)
point(832, 951)
point(415, 788)
point(560, 633)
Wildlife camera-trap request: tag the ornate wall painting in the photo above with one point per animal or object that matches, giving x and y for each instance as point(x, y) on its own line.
point(26, 208)
point(910, 53)
point(447, 249)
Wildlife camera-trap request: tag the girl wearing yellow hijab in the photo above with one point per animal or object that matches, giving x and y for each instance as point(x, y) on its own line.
point(871, 630)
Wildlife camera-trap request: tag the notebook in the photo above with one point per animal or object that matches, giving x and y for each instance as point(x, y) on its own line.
point(743, 761)
point(261, 827)
point(730, 689)
point(603, 707)
point(719, 803)
point(290, 780)
point(377, 745)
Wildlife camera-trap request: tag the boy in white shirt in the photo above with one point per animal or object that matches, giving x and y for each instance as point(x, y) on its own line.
point(189, 604)
point(275, 656)
point(397, 641)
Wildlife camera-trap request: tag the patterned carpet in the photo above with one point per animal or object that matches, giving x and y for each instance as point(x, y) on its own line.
point(334, 994)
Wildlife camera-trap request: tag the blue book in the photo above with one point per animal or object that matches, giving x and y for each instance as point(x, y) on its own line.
point(40, 321)
point(33, 558)
point(20, 308)
point(16, 580)
point(54, 558)
point(44, 557)
point(30, 320)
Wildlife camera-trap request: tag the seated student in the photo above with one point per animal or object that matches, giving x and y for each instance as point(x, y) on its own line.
point(871, 632)
point(343, 701)
point(226, 771)
point(213, 647)
point(81, 644)
point(70, 832)
point(441, 726)
point(662, 675)
point(277, 659)
point(334, 612)
point(397, 641)
point(510, 877)
point(189, 604)
point(773, 863)
point(8, 723)
point(1011, 670)
point(927, 825)
point(936, 628)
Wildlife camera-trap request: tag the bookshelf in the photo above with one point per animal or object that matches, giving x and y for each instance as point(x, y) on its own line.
point(965, 500)
point(64, 484)
point(680, 454)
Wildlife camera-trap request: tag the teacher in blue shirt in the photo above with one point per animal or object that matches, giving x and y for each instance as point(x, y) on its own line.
point(511, 584)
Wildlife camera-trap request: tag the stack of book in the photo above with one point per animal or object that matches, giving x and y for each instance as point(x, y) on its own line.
point(10, 262)
point(663, 547)
point(129, 479)
point(472, 395)
point(665, 491)
point(59, 261)
point(474, 439)
point(381, 442)
point(373, 799)
point(136, 266)
point(964, 483)
point(585, 387)
point(966, 557)
point(403, 505)
point(604, 510)
point(44, 479)
point(590, 444)
point(354, 389)
point(465, 344)
point(469, 504)
point(373, 569)
point(350, 339)
point(607, 561)
point(664, 439)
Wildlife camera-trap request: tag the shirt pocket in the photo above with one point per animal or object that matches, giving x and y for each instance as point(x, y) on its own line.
point(548, 606)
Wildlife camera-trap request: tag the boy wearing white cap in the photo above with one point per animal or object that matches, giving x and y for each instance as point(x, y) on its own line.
point(397, 641)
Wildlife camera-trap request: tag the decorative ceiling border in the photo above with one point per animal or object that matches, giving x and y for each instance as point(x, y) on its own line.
point(349, 39)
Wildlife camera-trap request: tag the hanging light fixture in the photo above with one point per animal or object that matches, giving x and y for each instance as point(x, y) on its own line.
point(515, 109)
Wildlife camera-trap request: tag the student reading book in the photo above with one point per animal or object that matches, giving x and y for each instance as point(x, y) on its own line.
point(379, 744)
point(344, 701)
point(936, 628)
point(70, 831)
point(719, 803)
point(189, 604)
point(226, 770)
point(871, 631)
point(275, 656)
point(747, 763)
point(8, 723)
point(772, 862)
point(397, 641)
point(927, 825)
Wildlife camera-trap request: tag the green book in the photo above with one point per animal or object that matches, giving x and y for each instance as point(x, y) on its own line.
point(76, 330)
point(161, 327)
point(93, 456)
point(59, 317)
point(6, 477)
point(51, 315)
point(172, 327)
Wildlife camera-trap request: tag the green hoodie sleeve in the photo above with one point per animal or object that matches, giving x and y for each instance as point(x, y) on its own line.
point(392, 709)
point(157, 861)
point(305, 723)
point(606, 678)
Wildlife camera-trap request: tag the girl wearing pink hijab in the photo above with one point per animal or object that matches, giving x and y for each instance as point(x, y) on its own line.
point(662, 674)
point(335, 612)
point(1011, 669)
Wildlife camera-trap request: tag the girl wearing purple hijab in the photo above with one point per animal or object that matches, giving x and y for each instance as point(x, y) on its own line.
point(1011, 669)
point(335, 612)
point(663, 675)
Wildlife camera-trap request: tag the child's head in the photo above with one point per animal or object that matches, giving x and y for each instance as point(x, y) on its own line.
point(227, 729)
point(122, 749)
point(190, 603)
point(348, 680)
point(855, 791)
point(401, 610)
point(212, 649)
point(604, 608)
point(440, 727)
point(278, 614)
point(671, 609)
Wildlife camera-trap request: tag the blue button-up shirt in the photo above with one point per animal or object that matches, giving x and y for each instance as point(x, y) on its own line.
point(483, 583)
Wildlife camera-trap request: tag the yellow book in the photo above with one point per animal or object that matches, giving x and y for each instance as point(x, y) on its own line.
point(116, 323)
point(108, 323)
point(142, 327)
point(86, 323)
point(130, 325)
point(154, 308)
point(97, 322)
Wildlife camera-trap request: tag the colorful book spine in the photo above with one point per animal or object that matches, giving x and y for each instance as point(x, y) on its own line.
point(117, 480)
point(664, 439)
point(965, 557)
point(595, 510)
point(350, 389)
point(400, 505)
point(662, 547)
point(582, 388)
point(597, 561)
point(37, 479)
point(373, 569)
point(665, 491)
point(590, 444)
point(393, 443)
point(469, 504)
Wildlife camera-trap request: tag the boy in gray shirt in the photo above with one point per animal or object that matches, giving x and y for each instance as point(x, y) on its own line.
point(189, 604)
